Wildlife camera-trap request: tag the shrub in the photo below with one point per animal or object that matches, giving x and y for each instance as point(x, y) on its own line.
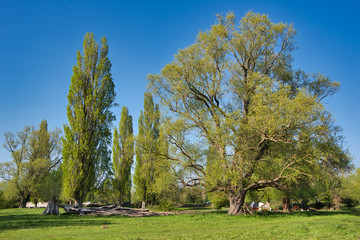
point(219, 200)
point(349, 203)
point(166, 205)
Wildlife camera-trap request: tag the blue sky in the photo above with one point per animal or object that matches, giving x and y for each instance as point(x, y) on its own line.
point(39, 40)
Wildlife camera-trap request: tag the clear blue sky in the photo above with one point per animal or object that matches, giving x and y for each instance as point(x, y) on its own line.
point(39, 40)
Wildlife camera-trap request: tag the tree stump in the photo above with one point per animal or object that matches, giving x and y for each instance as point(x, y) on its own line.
point(52, 207)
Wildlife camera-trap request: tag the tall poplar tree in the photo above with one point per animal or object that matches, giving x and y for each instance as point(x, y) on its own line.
point(88, 135)
point(146, 148)
point(123, 154)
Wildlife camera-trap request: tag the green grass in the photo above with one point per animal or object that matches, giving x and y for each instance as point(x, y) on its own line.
point(29, 224)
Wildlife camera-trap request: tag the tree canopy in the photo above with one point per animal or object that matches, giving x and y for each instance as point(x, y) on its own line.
point(35, 153)
point(240, 116)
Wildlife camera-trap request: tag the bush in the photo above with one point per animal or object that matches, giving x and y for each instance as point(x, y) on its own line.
point(8, 195)
point(166, 205)
point(219, 200)
point(349, 203)
point(191, 195)
point(318, 205)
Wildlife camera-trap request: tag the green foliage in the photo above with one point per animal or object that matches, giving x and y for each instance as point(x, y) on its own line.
point(239, 116)
point(256, 195)
point(123, 154)
point(219, 200)
point(154, 179)
point(192, 195)
point(165, 186)
point(166, 205)
point(350, 203)
point(146, 149)
point(51, 185)
point(43, 144)
point(104, 193)
point(326, 186)
point(35, 152)
point(3, 202)
point(8, 195)
point(87, 135)
point(351, 190)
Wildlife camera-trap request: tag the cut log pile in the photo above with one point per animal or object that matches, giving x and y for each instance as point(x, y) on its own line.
point(111, 210)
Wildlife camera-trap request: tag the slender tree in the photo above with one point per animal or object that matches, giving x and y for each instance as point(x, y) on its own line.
point(234, 91)
point(123, 154)
point(88, 135)
point(146, 148)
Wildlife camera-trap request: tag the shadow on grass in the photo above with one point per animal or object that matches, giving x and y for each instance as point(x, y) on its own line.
point(194, 209)
point(24, 221)
point(266, 214)
point(306, 213)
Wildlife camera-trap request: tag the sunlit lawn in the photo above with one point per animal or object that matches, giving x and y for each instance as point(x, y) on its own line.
point(30, 224)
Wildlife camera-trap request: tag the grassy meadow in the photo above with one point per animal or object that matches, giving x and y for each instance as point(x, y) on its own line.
point(30, 224)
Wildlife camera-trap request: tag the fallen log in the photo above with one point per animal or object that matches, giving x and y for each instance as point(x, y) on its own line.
point(111, 210)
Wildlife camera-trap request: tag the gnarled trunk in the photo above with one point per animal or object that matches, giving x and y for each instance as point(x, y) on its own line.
point(52, 207)
point(237, 205)
point(336, 203)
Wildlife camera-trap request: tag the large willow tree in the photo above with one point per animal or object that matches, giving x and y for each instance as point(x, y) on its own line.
point(87, 136)
point(241, 117)
point(34, 152)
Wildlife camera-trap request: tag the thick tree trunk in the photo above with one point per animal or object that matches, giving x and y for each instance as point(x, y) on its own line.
point(237, 205)
point(286, 204)
point(336, 203)
point(52, 207)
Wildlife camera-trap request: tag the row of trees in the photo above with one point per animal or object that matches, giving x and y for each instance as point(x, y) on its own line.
point(238, 118)
point(84, 150)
